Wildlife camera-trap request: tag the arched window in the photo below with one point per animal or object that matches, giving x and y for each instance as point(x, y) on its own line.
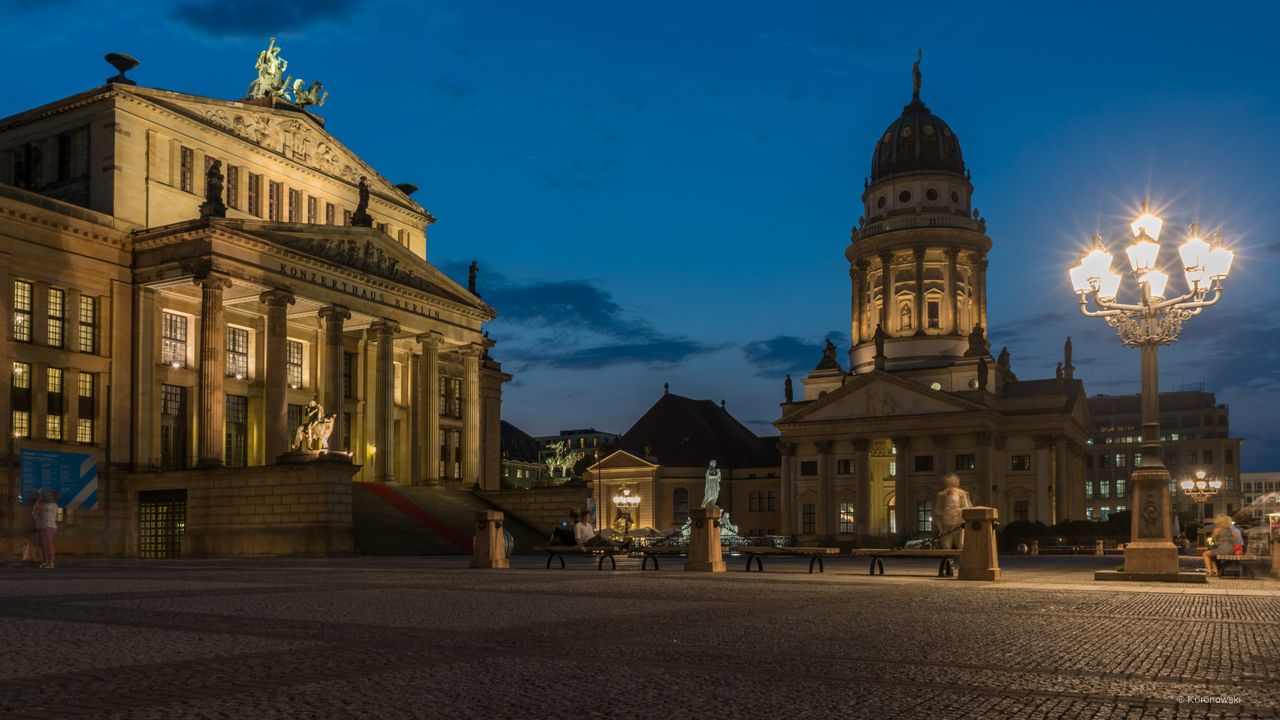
point(679, 507)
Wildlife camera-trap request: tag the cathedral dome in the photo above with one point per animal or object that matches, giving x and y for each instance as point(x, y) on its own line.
point(917, 142)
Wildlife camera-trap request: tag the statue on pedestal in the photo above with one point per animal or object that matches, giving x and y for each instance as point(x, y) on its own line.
point(213, 205)
point(879, 340)
point(271, 80)
point(313, 433)
point(788, 392)
point(711, 491)
point(948, 512)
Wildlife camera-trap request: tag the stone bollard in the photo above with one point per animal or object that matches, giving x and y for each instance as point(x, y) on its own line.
point(978, 559)
point(1035, 548)
point(489, 549)
point(705, 553)
point(1097, 548)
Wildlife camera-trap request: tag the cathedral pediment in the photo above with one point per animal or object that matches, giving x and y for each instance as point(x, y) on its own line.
point(880, 394)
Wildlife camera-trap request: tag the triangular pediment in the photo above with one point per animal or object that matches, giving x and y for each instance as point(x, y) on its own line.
point(622, 460)
point(880, 394)
point(292, 134)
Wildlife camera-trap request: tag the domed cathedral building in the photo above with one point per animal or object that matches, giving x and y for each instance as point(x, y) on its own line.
point(219, 316)
point(864, 449)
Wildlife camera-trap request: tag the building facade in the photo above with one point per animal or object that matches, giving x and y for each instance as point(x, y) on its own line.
point(863, 449)
point(1195, 435)
point(161, 339)
point(1261, 495)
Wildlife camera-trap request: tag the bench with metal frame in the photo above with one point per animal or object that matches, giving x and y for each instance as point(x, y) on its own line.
point(815, 555)
point(1222, 562)
point(557, 552)
point(946, 568)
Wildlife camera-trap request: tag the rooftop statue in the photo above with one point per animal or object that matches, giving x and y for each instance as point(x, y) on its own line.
point(271, 81)
point(309, 96)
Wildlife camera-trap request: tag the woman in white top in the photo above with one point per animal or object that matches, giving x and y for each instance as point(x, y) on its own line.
point(46, 515)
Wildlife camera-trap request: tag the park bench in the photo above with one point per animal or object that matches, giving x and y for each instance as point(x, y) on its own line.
point(946, 566)
point(1238, 562)
point(653, 552)
point(754, 554)
point(601, 552)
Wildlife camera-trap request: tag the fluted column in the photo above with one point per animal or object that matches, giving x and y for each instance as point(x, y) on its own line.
point(213, 362)
point(1041, 463)
point(862, 483)
point(334, 316)
point(384, 333)
point(277, 373)
point(471, 417)
point(855, 322)
point(416, 419)
point(860, 303)
point(786, 500)
point(886, 290)
point(919, 304)
point(429, 391)
point(953, 305)
point(981, 288)
point(1061, 505)
point(903, 513)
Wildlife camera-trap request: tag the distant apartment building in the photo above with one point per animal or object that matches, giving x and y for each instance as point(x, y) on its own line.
point(1195, 435)
point(521, 465)
point(1261, 494)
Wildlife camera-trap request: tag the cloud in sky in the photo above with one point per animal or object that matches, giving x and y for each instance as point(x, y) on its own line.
point(781, 355)
point(241, 18)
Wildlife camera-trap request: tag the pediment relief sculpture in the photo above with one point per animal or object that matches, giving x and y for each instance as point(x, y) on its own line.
point(365, 257)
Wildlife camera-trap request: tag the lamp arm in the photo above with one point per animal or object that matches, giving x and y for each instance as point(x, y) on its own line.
point(1113, 305)
point(1198, 305)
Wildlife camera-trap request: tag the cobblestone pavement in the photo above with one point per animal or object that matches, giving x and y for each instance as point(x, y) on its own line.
point(425, 637)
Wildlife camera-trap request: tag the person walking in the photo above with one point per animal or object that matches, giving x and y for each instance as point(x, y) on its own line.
point(46, 515)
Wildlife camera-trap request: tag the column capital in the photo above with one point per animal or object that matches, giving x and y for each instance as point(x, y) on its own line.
point(277, 297)
point(862, 444)
point(212, 281)
point(383, 326)
point(335, 312)
point(1043, 442)
point(862, 264)
point(471, 350)
point(886, 258)
point(919, 252)
point(786, 449)
point(822, 446)
point(1000, 442)
point(985, 439)
point(950, 253)
point(431, 339)
point(902, 442)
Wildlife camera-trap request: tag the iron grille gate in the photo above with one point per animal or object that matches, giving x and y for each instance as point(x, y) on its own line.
point(162, 518)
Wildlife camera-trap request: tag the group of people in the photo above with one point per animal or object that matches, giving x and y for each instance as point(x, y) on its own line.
point(45, 512)
point(577, 530)
point(1225, 540)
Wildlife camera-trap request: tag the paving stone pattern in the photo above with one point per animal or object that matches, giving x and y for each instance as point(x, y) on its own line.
point(426, 637)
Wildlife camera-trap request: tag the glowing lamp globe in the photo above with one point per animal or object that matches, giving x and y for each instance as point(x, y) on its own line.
point(1218, 263)
point(1148, 225)
point(1194, 252)
point(1142, 255)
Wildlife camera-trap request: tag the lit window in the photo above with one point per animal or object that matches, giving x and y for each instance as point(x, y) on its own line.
point(295, 205)
point(53, 404)
point(22, 376)
point(237, 430)
point(237, 352)
point(87, 385)
point(846, 518)
point(88, 324)
point(233, 187)
point(22, 307)
point(21, 423)
point(274, 191)
point(1122, 460)
point(173, 347)
point(57, 316)
point(1021, 463)
point(1104, 488)
point(966, 461)
point(293, 349)
point(186, 172)
point(1088, 489)
point(311, 210)
point(1106, 512)
point(1119, 488)
point(328, 213)
point(924, 515)
point(844, 467)
point(255, 195)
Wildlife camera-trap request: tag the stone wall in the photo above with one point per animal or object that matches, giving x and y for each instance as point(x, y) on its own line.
point(539, 508)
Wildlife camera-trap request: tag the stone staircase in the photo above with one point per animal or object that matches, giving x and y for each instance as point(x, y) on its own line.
point(415, 520)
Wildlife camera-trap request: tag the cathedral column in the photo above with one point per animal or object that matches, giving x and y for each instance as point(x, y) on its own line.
point(384, 332)
point(786, 501)
point(1044, 478)
point(981, 289)
point(919, 304)
point(860, 302)
point(827, 512)
point(903, 519)
point(953, 305)
point(855, 323)
point(886, 291)
point(1061, 503)
point(213, 360)
point(429, 392)
point(985, 477)
point(999, 468)
point(471, 416)
point(415, 418)
point(862, 494)
point(277, 374)
point(331, 387)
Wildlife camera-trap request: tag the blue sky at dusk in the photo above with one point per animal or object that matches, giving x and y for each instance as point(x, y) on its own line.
point(662, 192)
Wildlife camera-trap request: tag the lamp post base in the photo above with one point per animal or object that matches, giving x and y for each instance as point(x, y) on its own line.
point(1151, 551)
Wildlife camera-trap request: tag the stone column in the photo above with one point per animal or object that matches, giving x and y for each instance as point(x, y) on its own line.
point(787, 499)
point(999, 469)
point(1044, 478)
point(1061, 503)
point(471, 416)
point(862, 481)
point(886, 291)
point(384, 333)
point(331, 389)
point(855, 323)
point(903, 514)
point(429, 391)
point(981, 291)
point(827, 511)
point(416, 401)
point(213, 362)
point(860, 303)
point(986, 478)
point(953, 305)
point(919, 308)
point(277, 376)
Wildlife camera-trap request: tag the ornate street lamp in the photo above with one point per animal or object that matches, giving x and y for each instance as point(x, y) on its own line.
point(1155, 319)
point(1200, 491)
point(626, 504)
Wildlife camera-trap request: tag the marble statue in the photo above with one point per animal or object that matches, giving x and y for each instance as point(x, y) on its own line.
point(948, 511)
point(313, 433)
point(213, 205)
point(309, 96)
point(271, 81)
point(711, 493)
point(472, 271)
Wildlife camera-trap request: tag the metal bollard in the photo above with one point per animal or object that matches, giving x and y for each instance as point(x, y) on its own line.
point(978, 560)
point(489, 549)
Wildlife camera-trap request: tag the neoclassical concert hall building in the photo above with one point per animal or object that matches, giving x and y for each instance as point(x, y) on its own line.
point(864, 448)
point(181, 351)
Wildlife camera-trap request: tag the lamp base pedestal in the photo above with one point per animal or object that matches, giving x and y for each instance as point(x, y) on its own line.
point(1151, 554)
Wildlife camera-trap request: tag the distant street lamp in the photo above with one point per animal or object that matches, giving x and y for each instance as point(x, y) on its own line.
point(626, 504)
point(1154, 320)
point(1200, 491)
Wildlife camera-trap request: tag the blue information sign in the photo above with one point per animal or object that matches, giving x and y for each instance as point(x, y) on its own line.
point(74, 476)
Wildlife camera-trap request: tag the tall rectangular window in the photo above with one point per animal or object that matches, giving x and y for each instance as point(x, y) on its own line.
point(53, 404)
point(1021, 463)
point(924, 515)
point(1122, 460)
point(1088, 489)
point(274, 191)
point(233, 187)
point(1120, 487)
point(87, 384)
point(186, 171)
point(924, 463)
point(255, 195)
point(57, 307)
point(966, 461)
point(1022, 511)
point(237, 431)
point(311, 209)
point(237, 352)
point(846, 518)
point(173, 427)
point(329, 213)
point(295, 205)
point(20, 399)
point(346, 217)
point(933, 307)
point(88, 342)
point(294, 416)
point(808, 468)
point(22, 309)
point(349, 377)
point(173, 343)
point(293, 363)
point(679, 507)
point(844, 467)
point(1104, 488)
point(808, 517)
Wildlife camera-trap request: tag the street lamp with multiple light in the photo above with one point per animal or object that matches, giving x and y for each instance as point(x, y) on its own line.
point(1155, 318)
point(1200, 491)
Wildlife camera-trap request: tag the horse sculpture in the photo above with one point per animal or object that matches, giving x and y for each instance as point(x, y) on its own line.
point(313, 436)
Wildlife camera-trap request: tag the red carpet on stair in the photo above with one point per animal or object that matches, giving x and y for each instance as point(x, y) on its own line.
point(388, 495)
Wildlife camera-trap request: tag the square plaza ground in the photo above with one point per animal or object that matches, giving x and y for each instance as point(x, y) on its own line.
point(425, 637)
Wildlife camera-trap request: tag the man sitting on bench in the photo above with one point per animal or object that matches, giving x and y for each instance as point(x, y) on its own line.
point(563, 532)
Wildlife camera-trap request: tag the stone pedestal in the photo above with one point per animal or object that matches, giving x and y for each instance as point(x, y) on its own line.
point(489, 550)
point(1275, 559)
point(705, 552)
point(978, 560)
point(1151, 555)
